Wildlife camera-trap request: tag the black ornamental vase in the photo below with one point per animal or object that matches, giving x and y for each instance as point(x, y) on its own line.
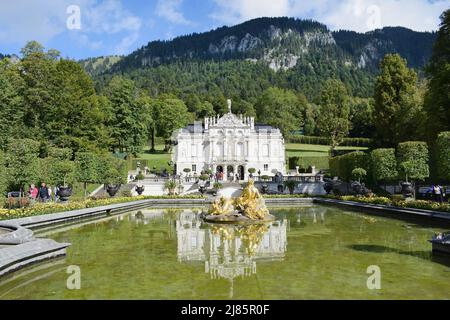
point(112, 189)
point(140, 190)
point(64, 193)
point(407, 189)
point(328, 187)
point(357, 188)
point(265, 189)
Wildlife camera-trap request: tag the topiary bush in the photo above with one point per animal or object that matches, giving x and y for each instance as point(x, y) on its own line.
point(412, 159)
point(383, 165)
point(359, 174)
point(342, 166)
point(443, 155)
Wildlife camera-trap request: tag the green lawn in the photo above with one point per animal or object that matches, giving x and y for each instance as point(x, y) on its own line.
point(158, 159)
point(313, 155)
point(311, 150)
point(316, 155)
point(78, 190)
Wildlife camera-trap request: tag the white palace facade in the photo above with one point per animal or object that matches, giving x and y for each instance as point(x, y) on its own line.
point(229, 145)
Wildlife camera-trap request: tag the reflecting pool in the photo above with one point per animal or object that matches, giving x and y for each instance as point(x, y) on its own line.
point(311, 252)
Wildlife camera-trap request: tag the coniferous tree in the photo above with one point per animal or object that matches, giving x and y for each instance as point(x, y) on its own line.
point(397, 102)
point(333, 120)
point(437, 99)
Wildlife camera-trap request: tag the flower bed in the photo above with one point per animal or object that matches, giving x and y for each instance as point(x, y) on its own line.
point(287, 196)
point(416, 204)
point(47, 208)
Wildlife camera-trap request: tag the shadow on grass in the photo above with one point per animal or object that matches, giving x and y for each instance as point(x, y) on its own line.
point(156, 152)
point(307, 151)
point(425, 255)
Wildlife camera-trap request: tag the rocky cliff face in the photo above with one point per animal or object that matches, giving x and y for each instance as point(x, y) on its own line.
point(283, 43)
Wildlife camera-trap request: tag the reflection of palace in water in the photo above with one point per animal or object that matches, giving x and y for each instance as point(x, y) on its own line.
point(229, 251)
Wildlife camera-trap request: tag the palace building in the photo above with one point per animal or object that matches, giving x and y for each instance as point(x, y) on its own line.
point(229, 145)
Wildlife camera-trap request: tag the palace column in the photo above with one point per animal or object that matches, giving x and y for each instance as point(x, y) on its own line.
point(225, 172)
point(211, 150)
point(225, 149)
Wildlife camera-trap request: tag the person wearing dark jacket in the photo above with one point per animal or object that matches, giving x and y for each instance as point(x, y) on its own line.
point(43, 193)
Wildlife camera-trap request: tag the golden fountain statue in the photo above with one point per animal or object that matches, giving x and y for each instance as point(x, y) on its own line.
point(249, 207)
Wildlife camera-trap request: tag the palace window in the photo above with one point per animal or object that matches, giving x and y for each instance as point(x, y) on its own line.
point(240, 150)
point(194, 168)
point(265, 150)
point(266, 167)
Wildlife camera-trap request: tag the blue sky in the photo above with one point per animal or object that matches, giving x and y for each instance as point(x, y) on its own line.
point(86, 28)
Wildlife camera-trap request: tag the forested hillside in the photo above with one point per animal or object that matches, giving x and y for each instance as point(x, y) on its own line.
point(99, 65)
point(242, 61)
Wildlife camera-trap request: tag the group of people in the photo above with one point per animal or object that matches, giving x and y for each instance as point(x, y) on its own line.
point(43, 194)
point(219, 176)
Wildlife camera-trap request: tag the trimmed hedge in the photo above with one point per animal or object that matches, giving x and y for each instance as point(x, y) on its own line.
point(348, 142)
point(415, 153)
point(343, 166)
point(383, 165)
point(443, 155)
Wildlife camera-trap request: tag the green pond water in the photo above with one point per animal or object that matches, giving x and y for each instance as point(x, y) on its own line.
point(311, 252)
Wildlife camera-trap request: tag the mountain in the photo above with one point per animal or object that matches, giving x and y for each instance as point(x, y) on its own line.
point(243, 60)
point(282, 42)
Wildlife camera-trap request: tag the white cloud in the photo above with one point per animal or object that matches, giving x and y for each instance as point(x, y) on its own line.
point(126, 44)
point(365, 15)
point(22, 20)
point(234, 11)
point(358, 15)
point(171, 11)
point(43, 20)
point(109, 16)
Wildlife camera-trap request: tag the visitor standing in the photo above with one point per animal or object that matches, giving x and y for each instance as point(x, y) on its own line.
point(50, 194)
point(33, 192)
point(43, 193)
point(437, 193)
point(57, 193)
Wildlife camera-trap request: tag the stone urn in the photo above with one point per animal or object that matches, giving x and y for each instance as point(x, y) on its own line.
point(202, 189)
point(328, 187)
point(265, 188)
point(280, 188)
point(407, 189)
point(140, 190)
point(112, 189)
point(64, 193)
point(357, 188)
